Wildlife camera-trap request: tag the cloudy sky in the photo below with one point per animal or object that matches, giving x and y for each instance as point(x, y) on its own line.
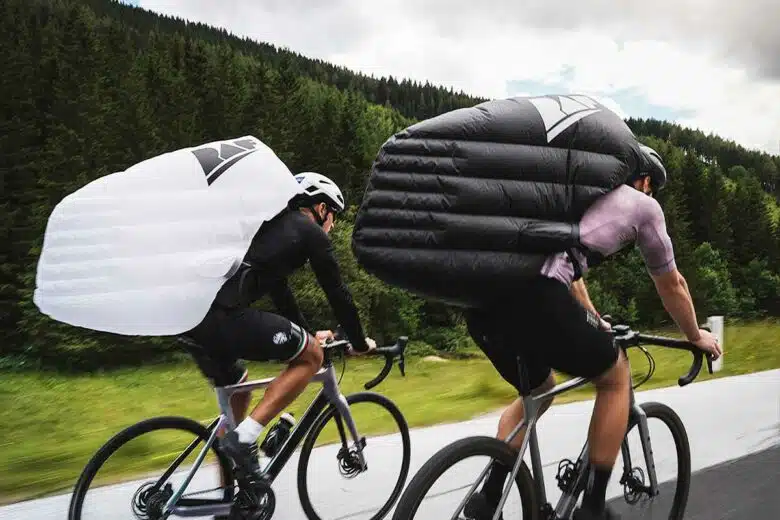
point(708, 64)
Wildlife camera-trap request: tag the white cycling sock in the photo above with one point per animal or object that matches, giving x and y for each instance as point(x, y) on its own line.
point(249, 430)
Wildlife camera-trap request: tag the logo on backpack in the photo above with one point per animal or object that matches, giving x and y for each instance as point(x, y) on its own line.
point(560, 112)
point(217, 158)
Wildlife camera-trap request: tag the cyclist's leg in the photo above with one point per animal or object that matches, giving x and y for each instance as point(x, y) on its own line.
point(579, 348)
point(257, 335)
point(264, 336)
point(495, 331)
point(216, 363)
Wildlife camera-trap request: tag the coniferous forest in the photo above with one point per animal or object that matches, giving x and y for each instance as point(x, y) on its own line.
point(92, 87)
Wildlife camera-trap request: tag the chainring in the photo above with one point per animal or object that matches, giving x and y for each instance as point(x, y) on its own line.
point(254, 502)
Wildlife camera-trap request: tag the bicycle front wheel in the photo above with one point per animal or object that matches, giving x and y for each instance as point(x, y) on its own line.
point(444, 502)
point(666, 442)
point(134, 474)
point(325, 474)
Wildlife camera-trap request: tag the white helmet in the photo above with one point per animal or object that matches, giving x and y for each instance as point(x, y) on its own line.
point(318, 188)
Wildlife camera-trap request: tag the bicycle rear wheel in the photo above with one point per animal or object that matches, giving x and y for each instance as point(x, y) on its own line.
point(674, 482)
point(179, 439)
point(449, 456)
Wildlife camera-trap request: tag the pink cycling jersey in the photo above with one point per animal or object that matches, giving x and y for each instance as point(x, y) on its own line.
point(617, 219)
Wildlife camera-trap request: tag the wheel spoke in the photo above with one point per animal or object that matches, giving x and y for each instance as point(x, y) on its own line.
point(670, 458)
point(333, 470)
point(422, 500)
point(109, 486)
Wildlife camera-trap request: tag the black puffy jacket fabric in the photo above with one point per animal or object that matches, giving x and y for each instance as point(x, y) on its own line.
point(460, 207)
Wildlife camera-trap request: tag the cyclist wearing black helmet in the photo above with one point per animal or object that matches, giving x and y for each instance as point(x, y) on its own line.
point(557, 300)
point(233, 330)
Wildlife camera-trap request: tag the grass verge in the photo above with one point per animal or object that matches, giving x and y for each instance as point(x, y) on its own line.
point(54, 423)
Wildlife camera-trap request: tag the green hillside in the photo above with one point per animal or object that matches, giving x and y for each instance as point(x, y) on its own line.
point(92, 87)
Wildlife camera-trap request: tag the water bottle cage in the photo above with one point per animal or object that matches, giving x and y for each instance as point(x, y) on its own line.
point(275, 438)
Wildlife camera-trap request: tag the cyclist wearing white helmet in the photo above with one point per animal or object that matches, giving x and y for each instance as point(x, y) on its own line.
point(233, 330)
point(321, 195)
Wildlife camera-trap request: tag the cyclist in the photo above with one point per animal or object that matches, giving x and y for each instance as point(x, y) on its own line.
point(232, 330)
point(553, 325)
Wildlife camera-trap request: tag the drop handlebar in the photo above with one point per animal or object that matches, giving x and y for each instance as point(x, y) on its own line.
point(390, 353)
point(627, 338)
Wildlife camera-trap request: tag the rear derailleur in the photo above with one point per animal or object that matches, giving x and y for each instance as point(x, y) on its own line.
point(149, 501)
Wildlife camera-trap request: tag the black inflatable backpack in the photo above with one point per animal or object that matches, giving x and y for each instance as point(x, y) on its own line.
point(462, 207)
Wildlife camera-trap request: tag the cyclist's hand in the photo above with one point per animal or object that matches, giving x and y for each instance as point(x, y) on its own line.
point(324, 335)
point(371, 346)
point(604, 325)
point(708, 343)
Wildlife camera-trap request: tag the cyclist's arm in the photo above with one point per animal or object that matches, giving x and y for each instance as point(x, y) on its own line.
point(326, 269)
point(687, 290)
point(673, 290)
point(656, 248)
point(284, 300)
point(580, 292)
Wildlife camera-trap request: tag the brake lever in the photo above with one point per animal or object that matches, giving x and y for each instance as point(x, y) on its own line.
point(707, 355)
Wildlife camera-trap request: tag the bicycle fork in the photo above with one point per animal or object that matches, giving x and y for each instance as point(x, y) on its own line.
point(331, 390)
point(639, 417)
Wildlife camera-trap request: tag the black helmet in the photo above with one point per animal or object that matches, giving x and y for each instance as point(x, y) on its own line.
point(652, 166)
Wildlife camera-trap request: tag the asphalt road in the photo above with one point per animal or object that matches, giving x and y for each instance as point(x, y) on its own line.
point(740, 489)
point(733, 426)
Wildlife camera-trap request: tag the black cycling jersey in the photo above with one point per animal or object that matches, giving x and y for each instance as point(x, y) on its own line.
point(283, 245)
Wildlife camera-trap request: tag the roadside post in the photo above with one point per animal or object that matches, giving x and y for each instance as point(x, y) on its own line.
point(715, 323)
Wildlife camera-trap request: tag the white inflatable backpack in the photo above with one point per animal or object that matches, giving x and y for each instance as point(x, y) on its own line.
point(144, 251)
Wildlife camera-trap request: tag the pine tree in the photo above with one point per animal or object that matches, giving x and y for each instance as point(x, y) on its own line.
point(715, 215)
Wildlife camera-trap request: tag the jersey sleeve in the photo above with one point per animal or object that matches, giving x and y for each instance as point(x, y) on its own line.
point(653, 240)
point(284, 300)
point(326, 269)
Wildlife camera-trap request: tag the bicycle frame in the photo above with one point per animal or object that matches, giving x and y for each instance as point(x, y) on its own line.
point(330, 393)
point(531, 405)
point(568, 500)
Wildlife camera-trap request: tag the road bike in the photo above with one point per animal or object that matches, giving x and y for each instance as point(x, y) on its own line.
point(240, 499)
point(571, 476)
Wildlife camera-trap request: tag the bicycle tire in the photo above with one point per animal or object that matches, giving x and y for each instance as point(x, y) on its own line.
point(311, 437)
point(454, 453)
point(128, 434)
point(669, 417)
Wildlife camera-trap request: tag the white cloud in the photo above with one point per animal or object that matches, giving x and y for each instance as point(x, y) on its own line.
point(480, 50)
